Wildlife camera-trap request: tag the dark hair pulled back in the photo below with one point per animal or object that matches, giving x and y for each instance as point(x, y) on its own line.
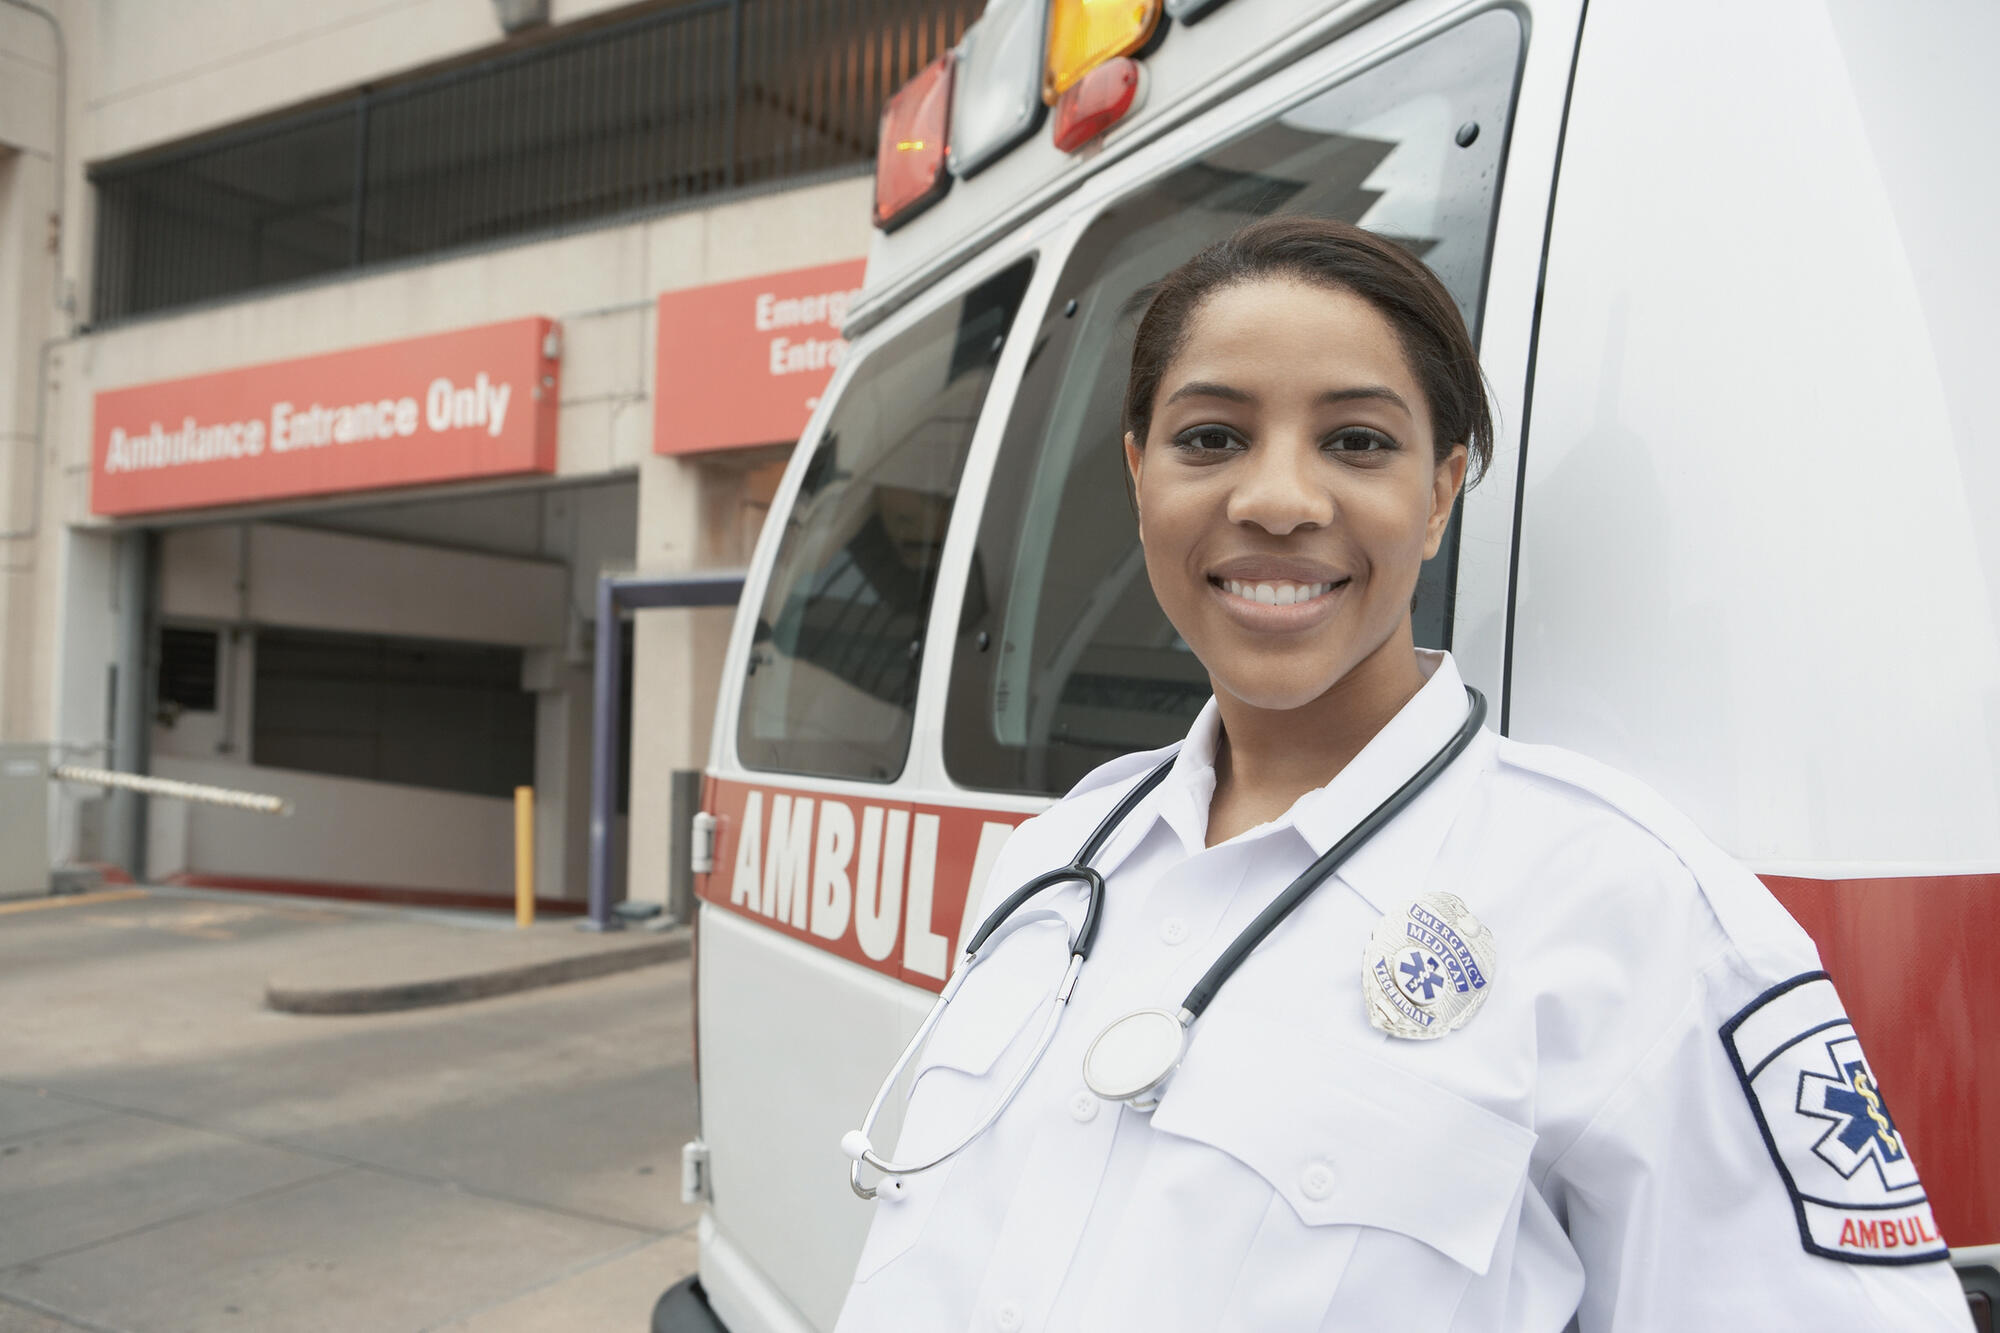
point(1326, 252)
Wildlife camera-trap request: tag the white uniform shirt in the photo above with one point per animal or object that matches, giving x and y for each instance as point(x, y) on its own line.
point(1654, 1115)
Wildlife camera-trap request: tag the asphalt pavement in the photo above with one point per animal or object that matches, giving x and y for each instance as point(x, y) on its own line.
point(175, 1154)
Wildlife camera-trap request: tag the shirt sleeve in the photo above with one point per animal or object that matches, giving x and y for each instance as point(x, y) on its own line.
point(1747, 1174)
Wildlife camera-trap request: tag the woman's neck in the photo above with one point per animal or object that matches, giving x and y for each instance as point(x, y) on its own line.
point(1265, 759)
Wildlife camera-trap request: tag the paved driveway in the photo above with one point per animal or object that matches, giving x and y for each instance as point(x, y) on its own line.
point(175, 1157)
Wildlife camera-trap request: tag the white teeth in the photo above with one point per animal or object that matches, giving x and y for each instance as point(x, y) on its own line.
point(1276, 594)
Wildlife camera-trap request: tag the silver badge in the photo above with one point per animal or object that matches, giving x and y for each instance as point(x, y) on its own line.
point(1427, 968)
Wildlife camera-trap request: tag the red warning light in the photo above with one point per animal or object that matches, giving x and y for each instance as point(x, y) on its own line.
point(910, 155)
point(1096, 102)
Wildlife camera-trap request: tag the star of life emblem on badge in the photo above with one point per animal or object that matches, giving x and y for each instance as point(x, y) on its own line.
point(1427, 968)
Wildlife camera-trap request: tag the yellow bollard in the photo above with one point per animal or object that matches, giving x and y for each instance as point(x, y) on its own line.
point(524, 857)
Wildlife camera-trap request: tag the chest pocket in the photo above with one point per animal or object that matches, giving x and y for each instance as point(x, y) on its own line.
point(1287, 1193)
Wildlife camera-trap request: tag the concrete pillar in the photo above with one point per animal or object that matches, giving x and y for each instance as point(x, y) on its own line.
point(562, 774)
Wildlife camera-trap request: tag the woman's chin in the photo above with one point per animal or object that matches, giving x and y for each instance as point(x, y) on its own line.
point(1274, 693)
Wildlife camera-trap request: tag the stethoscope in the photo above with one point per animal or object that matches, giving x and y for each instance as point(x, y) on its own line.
point(1132, 1059)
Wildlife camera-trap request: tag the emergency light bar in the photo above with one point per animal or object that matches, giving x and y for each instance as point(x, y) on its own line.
point(974, 104)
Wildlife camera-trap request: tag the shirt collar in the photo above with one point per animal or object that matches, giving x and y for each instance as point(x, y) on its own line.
point(1385, 869)
point(1389, 867)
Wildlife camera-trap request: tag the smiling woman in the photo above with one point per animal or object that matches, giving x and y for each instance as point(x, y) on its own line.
point(1318, 399)
point(1537, 1057)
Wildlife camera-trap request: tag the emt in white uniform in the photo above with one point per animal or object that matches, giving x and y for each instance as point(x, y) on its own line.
point(1537, 1056)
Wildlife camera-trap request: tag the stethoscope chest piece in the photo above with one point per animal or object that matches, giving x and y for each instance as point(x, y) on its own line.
point(1135, 1056)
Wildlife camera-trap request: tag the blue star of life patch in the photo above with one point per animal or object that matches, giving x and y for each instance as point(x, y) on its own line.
point(1853, 1186)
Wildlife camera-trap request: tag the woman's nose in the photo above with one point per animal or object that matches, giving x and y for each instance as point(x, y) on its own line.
point(1281, 487)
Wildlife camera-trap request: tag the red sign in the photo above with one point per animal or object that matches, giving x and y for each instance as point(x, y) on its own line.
point(473, 403)
point(880, 883)
point(743, 363)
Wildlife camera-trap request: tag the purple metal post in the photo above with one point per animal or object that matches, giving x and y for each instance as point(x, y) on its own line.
point(603, 757)
point(614, 595)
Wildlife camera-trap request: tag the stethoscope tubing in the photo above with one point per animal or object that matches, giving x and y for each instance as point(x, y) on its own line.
point(1007, 918)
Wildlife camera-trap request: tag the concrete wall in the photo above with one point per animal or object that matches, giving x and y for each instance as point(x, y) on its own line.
point(275, 574)
point(29, 566)
point(341, 831)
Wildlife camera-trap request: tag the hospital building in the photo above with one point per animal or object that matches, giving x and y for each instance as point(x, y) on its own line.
point(346, 349)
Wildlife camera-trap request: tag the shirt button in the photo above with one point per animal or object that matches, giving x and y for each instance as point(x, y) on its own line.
point(1007, 1315)
point(1083, 1105)
point(1173, 930)
point(1316, 1181)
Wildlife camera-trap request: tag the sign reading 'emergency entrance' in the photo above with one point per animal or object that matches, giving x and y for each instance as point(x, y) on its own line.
point(477, 402)
point(743, 363)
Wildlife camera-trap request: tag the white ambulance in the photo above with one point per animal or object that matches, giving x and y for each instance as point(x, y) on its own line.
point(1731, 269)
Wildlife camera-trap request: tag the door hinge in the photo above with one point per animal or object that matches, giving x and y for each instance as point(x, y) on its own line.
point(701, 843)
point(694, 1171)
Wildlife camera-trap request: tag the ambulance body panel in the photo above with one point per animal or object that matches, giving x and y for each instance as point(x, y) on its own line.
point(1722, 270)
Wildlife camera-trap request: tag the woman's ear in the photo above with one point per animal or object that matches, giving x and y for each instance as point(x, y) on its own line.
point(1135, 461)
point(1446, 480)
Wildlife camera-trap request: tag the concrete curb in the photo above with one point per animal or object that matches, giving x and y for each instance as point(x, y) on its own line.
point(426, 992)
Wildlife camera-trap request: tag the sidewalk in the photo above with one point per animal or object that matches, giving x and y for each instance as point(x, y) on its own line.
point(434, 962)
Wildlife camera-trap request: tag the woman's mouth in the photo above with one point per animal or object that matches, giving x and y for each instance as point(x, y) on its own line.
point(1277, 592)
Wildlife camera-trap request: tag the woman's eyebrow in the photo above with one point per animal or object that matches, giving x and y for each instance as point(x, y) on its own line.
point(1381, 392)
point(1208, 389)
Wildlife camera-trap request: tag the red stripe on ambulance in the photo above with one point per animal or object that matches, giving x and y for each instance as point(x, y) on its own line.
point(880, 883)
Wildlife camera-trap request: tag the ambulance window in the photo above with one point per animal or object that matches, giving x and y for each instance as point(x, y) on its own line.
point(833, 667)
point(1063, 659)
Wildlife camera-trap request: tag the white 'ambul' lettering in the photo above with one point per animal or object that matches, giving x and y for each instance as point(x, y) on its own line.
point(449, 407)
point(992, 837)
point(832, 894)
point(747, 880)
point(923, 948)
point(878, 900)
point(788, 860)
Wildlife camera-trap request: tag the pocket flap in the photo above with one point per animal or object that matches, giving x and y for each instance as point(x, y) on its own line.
point(1365, 1145)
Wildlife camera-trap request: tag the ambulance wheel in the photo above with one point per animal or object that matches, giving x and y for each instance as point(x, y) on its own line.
point(684, 1309)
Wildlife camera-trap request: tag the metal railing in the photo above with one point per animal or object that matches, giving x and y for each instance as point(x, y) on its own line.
point(624, 119)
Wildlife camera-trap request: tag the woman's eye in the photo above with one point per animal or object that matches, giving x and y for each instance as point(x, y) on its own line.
point(1207, 440)
point(1359, 439)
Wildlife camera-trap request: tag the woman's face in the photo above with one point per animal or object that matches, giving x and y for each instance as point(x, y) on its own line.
point(1288, 491)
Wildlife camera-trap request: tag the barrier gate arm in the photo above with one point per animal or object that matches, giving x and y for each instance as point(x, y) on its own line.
point(254, 802)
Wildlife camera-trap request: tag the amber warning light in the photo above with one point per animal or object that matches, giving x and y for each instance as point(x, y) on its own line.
point(1084, 34)
point(910, 170)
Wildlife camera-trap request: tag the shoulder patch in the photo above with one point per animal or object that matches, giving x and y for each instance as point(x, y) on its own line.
point(1852, 1184)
